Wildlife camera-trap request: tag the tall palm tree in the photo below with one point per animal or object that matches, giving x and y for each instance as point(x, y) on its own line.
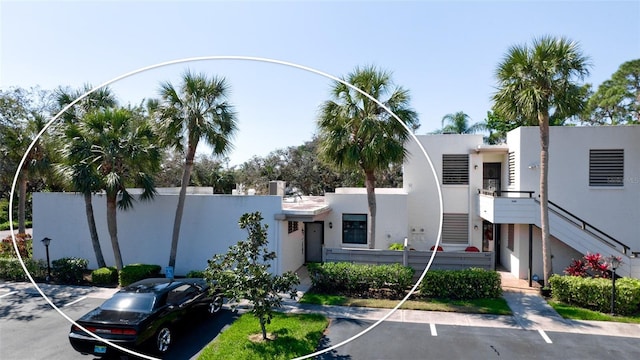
point(124, 149)
point(83, 174)
point(458, 123)
point(197, 110)
point(356, 133)
point(539, 82)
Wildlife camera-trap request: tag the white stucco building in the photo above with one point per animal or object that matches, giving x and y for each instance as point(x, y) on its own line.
point(490, 201)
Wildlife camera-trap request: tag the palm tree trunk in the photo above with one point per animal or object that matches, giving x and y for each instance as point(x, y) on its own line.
point(113, 229)
point(543, 119)
point(370, 183)
point(22, 200)
point(88, 207)
point(186, 176)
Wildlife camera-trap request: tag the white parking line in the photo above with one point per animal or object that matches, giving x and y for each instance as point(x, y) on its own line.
point(544, 336)
point(7, 294)
point(433, 329)
point(74, 301)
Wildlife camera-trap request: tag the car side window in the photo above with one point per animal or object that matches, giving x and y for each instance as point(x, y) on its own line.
point(180, 294)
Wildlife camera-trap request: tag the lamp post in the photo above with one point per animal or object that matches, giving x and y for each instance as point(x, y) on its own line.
point(46, 241)
point(615, 262)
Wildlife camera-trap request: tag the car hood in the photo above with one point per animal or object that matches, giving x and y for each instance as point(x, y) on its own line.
point(114, 317)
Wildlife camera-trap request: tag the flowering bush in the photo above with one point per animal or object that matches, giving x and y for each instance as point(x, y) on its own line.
point(24, 243)
point(593, 265)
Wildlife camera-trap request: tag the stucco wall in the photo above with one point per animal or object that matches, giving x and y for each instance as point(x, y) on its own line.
point(209, 226)
point(611, 209)
point(419, 183)
point(391, 219)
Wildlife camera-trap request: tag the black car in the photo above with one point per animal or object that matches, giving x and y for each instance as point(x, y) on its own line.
point(144, 314)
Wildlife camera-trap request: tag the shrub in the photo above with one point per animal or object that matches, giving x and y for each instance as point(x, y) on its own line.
point(136, 272)
point(439, 248)
point(360, 279)
point(11, 269)
point(195, 274)
point(595, 293)
point(69, 270)
point(105, 276)
point(396, 246)
point(461, 284)
point(594, 265)
point(24, 243)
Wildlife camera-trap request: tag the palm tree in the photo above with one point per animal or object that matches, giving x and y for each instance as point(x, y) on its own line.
point(197, 110)
point(124, 149)
point(82, 174)
point(458, 123)
point(539, 82)
point(357, 133)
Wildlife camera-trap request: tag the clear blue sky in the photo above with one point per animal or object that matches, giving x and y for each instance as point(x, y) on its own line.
point(445, 53)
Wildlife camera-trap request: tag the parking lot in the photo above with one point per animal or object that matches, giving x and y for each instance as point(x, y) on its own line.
point(31, 329)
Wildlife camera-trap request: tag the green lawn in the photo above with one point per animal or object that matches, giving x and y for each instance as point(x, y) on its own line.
point(497, 306)
point(577, 313)
point(296, 335)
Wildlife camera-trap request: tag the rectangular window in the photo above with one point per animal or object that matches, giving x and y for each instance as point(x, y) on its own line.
point(511, 230)
point(455, 169)
point(455, 228)
point(512, 168)
point(292, 226)
point(606, 167)
point(354, 228)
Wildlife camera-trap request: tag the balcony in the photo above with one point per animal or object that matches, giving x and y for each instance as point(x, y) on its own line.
point(508, 207)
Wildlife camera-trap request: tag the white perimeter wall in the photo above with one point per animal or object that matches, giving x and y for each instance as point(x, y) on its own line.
point(419, 183)
point(209, 226)
point(391, 217)
point(614, 210)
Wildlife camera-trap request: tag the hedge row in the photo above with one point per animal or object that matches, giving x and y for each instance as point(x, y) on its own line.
point(461, 284)
point(69, 270)
point(136, 272)
point(11, 269)
point(105, 276)
point(595, 293)
point(358, 279)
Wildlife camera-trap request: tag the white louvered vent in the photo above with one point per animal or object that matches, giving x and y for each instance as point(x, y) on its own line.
point(455, 228)
point(455, 169)
point(606, 167)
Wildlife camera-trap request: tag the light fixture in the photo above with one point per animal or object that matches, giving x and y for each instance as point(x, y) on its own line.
point(475, 227)
point(475, 167)
point(614, 263)
point(46, 241)
point(330, 225)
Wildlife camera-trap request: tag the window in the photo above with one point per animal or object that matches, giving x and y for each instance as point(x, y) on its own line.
point(292, 226)
point(510, 235)
point(512, 168)
point(606, 167)
point(455, 228)
point(455, 169)
point(354, 228)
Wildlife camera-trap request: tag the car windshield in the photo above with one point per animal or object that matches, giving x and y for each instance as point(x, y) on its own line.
point(134, 302)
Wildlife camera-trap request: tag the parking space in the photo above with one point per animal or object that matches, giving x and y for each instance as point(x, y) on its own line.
point(31, 329)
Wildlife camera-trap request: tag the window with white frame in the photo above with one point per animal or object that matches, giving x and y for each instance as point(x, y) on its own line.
point(455, 228)
point(292, 226)
point(455, 169)
point(354, 228)
point(606, 167)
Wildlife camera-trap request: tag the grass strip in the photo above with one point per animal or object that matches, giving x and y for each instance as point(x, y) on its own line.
point(578, 313)
point(295, 335)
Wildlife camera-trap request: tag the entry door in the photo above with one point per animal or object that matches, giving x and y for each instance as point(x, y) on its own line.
point(313, 241)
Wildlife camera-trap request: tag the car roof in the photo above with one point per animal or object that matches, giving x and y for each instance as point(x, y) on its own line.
point(161, 285)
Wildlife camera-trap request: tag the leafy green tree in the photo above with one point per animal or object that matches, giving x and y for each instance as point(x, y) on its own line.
point(458, 123)
point(243, 272)
point(23, 115)
point(82, 175)
point(540, 82)
point(197, 110)
point(357, 133)
point(617, 100)
point(125, 151)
